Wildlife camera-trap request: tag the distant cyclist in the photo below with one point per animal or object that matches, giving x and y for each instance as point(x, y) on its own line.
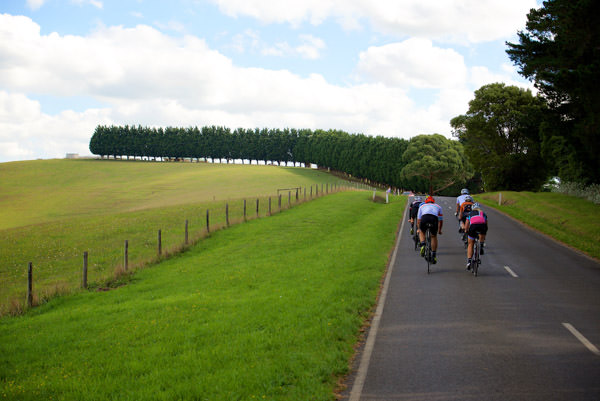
point(430, 213)
point(460, 199)
point(414, 209)
point(465, 208)
point(476, 225)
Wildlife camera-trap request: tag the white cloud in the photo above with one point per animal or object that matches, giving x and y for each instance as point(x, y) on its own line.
point(248, 40)
point(310, 47)
point(413, 63)
point(461, 21)
point(35, 4)
point(172, 25)
point(480, 76)
point(96, 3)
point(26, 132)
point(146, 77)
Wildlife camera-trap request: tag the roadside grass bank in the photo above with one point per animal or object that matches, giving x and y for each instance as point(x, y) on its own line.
point(94, 206)
point(571, 220)
point(265, 310)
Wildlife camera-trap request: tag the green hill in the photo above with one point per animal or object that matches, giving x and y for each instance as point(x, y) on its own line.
point(52, 211)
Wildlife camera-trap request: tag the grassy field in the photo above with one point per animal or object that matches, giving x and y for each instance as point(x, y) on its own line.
point(270, 309)
point(571, 220)
point(51, 211)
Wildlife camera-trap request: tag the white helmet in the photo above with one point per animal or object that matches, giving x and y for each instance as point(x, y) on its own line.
point(464, 191)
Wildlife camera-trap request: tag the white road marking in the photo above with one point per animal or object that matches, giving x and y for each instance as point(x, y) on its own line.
point(582, 339)
point(509, 270)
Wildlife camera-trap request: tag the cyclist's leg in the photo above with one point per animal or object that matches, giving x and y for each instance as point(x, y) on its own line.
point(482, 230)
point(470, 247)
point(434, 230)
point(471, 234)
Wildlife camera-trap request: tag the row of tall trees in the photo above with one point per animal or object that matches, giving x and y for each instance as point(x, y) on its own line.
point(380, 160)
point(377, 159)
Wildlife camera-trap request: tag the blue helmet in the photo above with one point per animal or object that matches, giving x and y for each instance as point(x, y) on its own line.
point(476, 206)
point(418, 199)
point(464, 191)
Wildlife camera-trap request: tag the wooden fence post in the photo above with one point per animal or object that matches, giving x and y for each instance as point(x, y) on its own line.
point(304, 193)
point(159, 243)
point(269, 205)
point(227, 214)
point(279, 202)
point(207, 221)
point(126, 256)
point(256, 207)
point(186, 231)
point(85, 270)
point(30, 285)
point(244, 209)
point(289, 199)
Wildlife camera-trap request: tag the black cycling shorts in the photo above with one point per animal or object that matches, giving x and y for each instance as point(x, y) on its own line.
point(475, 229)
point(429, 219)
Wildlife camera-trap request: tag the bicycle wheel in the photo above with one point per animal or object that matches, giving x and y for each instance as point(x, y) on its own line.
point(476, 260)
point(428, 248)
point(415, 235)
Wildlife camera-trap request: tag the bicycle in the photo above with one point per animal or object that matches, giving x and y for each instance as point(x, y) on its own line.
point(476, 259)
point(428, 252)
point(416, 239)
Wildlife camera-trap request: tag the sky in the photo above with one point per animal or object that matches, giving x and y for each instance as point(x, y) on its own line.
point(395, 68)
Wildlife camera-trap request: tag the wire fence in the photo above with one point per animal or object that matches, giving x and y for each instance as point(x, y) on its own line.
point(126, 245)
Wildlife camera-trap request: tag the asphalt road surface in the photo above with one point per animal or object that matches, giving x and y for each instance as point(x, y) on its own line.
point(526, 328)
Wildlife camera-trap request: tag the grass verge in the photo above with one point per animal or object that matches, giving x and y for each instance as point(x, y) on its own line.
point(265, 310)
point(568, 219)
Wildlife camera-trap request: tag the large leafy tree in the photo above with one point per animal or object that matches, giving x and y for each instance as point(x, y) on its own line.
point(560, 52)
point(500, 133)
point(436, 161)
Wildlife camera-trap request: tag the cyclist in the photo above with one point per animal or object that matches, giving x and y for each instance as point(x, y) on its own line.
point(430, 213)
point(464, 210)
point(476, 225)
point(414, 208)
point(460, 199)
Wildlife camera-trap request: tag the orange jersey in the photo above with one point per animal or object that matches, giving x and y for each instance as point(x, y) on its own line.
point(462, 206)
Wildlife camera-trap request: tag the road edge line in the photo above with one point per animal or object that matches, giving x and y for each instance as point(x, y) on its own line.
point(363, 367)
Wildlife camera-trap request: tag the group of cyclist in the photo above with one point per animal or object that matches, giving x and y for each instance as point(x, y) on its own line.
point(428, 214)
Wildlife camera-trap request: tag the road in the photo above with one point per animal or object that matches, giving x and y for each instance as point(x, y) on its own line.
point(527, 328)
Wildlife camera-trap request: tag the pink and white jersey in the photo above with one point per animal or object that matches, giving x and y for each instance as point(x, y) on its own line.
point(430, 208)
point(477, 217)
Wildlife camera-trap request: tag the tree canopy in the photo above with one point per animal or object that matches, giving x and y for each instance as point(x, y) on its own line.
point(500, 134)
point(439, 162)
point(560, 52)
